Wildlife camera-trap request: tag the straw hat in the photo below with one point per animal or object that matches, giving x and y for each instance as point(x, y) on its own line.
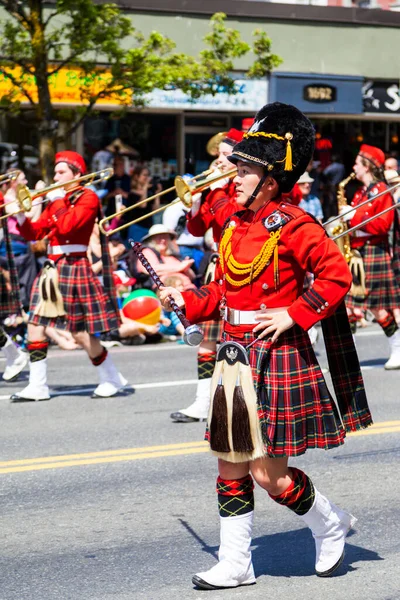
point(158, 229)
point(392, 176)
point(305, 178)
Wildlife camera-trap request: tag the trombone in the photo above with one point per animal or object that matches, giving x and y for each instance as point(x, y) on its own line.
point(184, 191)
point(356, 227)
point(352, 208)
point(25, 196)
point(10, 176)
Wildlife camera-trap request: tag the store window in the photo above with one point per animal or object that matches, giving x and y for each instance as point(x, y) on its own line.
point(141, 138)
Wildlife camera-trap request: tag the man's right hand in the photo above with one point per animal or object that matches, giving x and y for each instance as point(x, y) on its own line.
point(55, 194)
point(170, 291)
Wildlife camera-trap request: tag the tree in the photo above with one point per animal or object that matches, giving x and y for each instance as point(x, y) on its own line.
point(40, 39)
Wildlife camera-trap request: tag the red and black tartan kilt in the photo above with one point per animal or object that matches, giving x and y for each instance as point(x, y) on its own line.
point(383, 290)
point(212, 330)
point(87, 306)
point(295, 407)
point(8, 304)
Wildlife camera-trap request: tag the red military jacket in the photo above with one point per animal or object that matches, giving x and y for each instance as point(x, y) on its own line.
point(66, 221)
point(376, 231)
point(303, 246)
point(218, 206)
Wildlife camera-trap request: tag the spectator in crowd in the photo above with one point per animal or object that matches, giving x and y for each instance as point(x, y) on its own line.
point(160, 252)
point(142, 187)
point(334, 172)
point(332, 175)
point(119, 184)
point(392, 164)
point(309, 203)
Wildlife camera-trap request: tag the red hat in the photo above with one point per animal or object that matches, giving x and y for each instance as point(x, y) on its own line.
point(233, 136)
point(73, 159)
point(373, 154)
point(247, 123)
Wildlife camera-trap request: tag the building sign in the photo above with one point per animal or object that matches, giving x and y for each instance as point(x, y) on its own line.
point(381, 97)
point(250, 95)
point(69, 86)
point(319, 93)
point(72, 87)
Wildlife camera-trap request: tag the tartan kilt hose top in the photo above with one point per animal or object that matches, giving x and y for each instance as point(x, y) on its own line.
point(87, 305)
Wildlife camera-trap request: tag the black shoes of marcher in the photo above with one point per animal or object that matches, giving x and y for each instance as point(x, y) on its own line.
point(179, 417)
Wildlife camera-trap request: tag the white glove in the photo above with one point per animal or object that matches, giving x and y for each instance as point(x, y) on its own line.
point(55, 194)
point(347, 213)
point(196, 203)
point(21, 218)
point(219, 184)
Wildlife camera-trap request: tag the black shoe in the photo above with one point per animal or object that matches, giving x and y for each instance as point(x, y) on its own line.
point(179, 417)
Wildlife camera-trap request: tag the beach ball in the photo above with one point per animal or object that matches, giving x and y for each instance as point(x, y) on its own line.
point(142, 306)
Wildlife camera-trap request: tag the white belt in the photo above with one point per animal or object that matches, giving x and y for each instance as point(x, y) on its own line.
point(248, 317)
point(66, 249)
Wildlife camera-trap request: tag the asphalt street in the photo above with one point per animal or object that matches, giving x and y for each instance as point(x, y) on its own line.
point(107, 499)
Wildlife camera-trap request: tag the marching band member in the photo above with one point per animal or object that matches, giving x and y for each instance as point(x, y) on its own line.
point(218, 204)
point(67, 294)
point(269, 397)
point(10, 303)
point(382, 292)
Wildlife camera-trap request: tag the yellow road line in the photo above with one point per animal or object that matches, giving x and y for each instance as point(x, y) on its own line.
point(130, 454)
point(105, 459)
point(102, 453)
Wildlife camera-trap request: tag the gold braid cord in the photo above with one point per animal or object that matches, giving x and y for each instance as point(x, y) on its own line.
point(253, 269)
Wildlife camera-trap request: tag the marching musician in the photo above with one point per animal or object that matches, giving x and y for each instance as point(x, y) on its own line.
point(67, 294)
point(269, 397)
point(10, 303)
point(210, 211)
point(382, 288)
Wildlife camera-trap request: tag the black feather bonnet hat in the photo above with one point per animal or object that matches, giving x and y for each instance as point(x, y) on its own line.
point(281, 139)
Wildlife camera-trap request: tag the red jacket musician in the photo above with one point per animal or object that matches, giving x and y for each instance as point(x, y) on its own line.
point(67, 294)
point(381, 291)
point(269, 398)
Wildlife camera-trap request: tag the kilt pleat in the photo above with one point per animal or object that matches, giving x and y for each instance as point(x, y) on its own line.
point(87, 305)
point(295, 407)
point(212, 330)
point(383, 290)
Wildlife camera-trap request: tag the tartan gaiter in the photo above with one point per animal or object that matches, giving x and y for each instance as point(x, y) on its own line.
point(235, 496)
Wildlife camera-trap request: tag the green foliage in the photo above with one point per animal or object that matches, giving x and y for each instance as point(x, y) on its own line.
point(83, 34)
point(42, 38)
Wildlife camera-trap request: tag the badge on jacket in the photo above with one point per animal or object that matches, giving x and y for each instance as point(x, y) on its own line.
point(275, 220)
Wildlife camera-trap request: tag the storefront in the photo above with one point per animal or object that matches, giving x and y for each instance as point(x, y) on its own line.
point(333, 103)
point(171, 132)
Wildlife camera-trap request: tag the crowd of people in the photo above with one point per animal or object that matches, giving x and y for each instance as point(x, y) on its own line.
point(247, 258)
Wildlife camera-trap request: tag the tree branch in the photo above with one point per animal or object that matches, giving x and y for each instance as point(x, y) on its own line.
point(19, 85)
point(75, 126)
point(16, 10)
point(63, 63)
point(19, 62)
point(49, 18)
